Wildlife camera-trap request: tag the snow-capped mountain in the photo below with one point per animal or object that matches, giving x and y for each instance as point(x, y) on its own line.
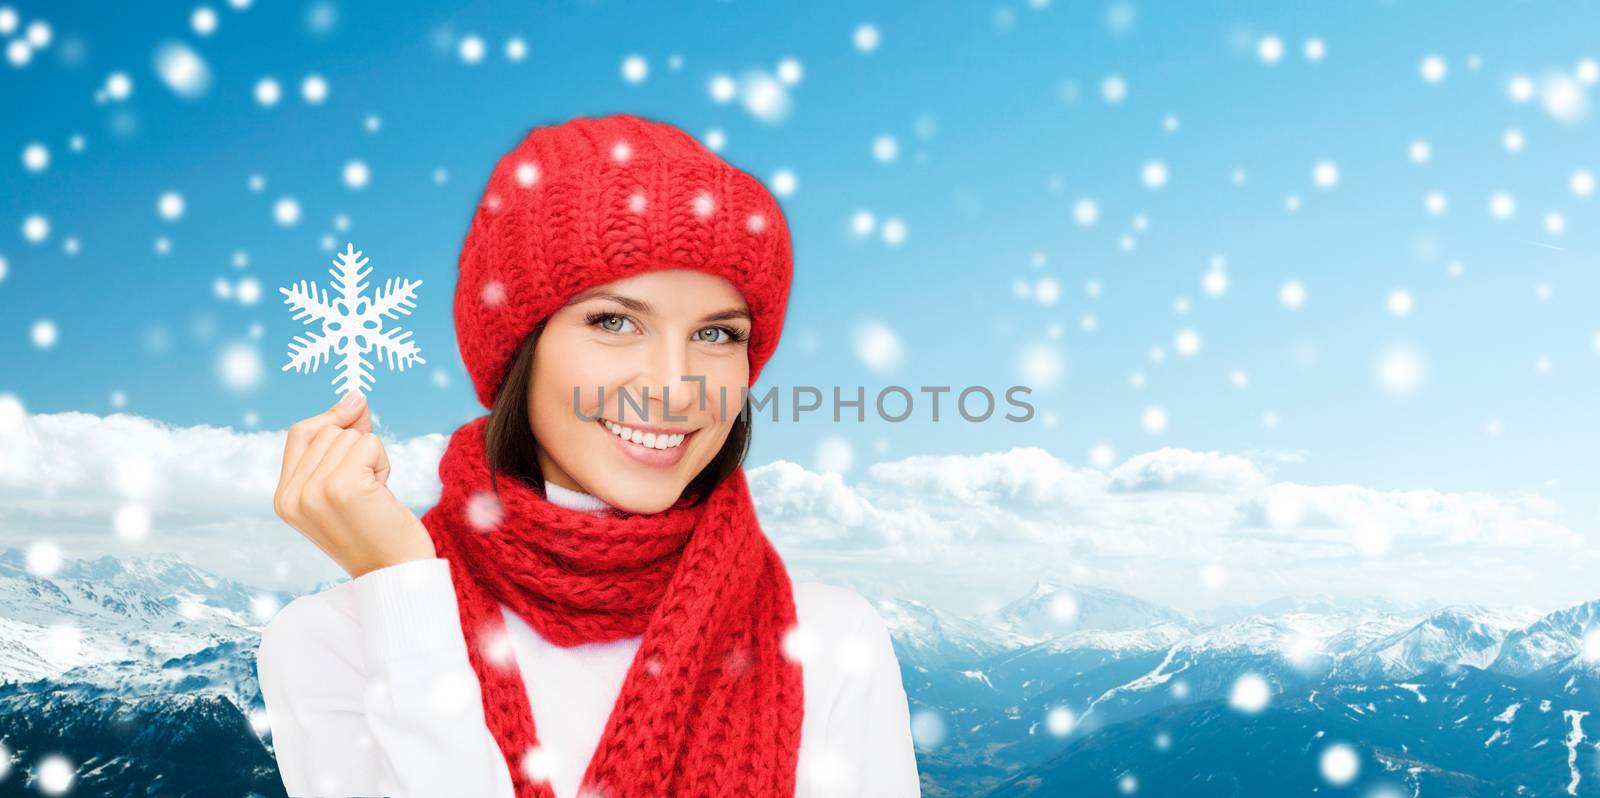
point(1096, 680)
point(170, 743)
point(1287, 651)
point(926, 637)
point(1555, 637)
point(1156, 637)
point(1319, 604)
point(1449, 636)
point(1456, 732)
point(1577, 677)
point(141, 671)
point(1050, 610)
point(1059, 670)
point(131, 628)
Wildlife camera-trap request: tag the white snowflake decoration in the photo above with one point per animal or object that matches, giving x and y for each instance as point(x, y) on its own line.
point(352, 324)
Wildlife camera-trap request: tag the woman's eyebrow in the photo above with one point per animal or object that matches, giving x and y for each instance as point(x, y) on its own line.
point(640, 306)
point(635, 305)
point(730, 314)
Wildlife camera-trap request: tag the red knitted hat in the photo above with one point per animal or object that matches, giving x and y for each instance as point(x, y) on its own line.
point(593, 200)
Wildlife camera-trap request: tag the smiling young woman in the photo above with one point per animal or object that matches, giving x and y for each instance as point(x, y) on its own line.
point(591, 608)
point(677, 324)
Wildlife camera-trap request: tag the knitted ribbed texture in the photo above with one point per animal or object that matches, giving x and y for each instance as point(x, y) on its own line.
point(710, 706)
point(593, 200)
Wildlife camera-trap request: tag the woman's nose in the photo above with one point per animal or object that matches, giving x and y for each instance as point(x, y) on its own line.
point(674, 387)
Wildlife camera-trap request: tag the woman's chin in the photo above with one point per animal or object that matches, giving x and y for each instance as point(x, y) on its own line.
point(641, 493)
point(643, 505)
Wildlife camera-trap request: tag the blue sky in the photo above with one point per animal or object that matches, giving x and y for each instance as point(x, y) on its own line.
point(1002, 125)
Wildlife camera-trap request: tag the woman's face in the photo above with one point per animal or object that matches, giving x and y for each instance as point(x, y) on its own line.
point(642, 343)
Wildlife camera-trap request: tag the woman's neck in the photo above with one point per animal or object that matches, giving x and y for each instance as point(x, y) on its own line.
point(573, 499)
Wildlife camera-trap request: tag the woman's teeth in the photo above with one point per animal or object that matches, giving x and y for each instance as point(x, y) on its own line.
point(646, 439)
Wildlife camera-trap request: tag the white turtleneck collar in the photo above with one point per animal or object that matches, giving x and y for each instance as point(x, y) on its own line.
point(573, 499)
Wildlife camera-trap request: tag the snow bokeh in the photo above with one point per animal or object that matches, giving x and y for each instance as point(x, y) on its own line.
point(1407, 431)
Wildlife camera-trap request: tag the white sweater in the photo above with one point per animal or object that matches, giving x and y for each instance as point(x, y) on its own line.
point(369, 691)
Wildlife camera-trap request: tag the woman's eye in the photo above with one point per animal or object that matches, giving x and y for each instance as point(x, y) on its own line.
point(713, 337)
point(612, 322)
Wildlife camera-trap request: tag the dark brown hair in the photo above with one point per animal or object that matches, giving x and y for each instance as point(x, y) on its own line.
point(509, 442)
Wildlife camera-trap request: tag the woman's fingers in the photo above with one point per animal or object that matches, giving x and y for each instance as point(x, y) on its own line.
point(366, 454)
point(363, 419)
point(381, 467)
point(324, 476)
point(304, 431)
point(294, 488)
point(327, 490)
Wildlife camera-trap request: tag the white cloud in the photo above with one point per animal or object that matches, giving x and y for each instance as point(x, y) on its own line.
point(1026, 475)
point(208, 490)
point(1170, 469)
point(1423, 517)
point(951, 530)
point(960, 527)
point(811, 507)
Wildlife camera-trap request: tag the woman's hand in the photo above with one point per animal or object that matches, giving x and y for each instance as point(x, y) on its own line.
point(332, 488)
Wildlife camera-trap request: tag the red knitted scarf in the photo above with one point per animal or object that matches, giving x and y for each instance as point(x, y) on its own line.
point(710, 705)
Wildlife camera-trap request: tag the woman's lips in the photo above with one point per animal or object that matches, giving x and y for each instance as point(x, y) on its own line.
point(644, 455)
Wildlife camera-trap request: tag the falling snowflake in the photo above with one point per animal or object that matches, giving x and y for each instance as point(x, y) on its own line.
point(352, 324)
